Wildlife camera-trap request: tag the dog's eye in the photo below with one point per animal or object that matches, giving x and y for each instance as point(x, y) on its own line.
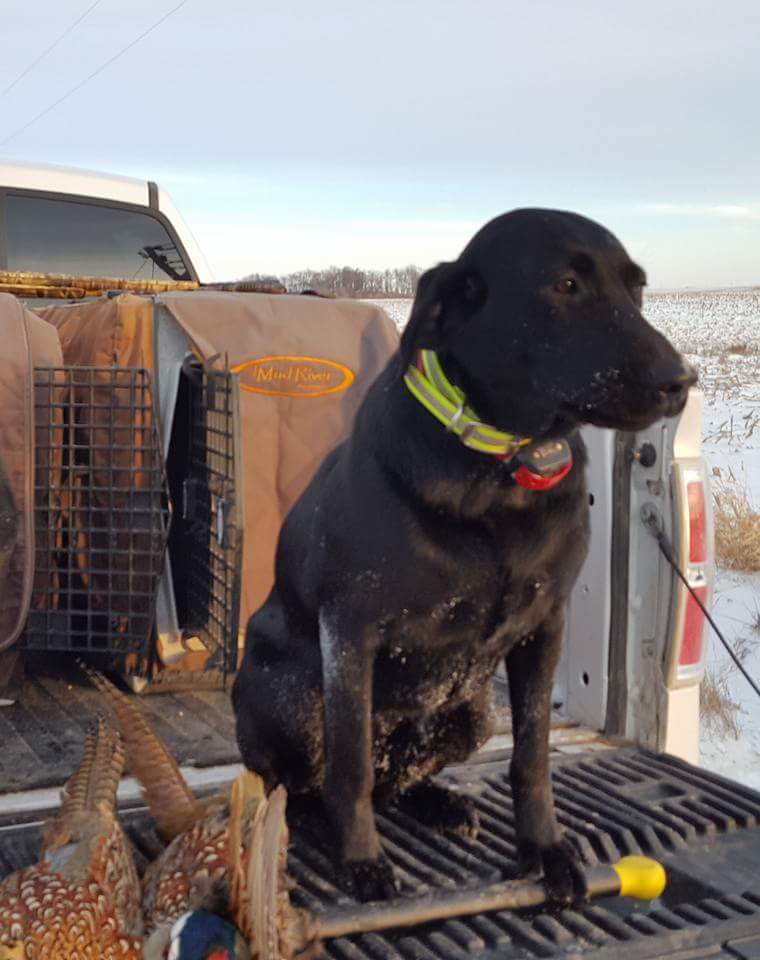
point(567, 285)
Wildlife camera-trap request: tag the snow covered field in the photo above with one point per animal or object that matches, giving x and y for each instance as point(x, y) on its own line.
point(719, 331)
point(721, 334)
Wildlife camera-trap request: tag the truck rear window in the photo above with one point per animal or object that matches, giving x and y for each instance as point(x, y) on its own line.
point(85, 239)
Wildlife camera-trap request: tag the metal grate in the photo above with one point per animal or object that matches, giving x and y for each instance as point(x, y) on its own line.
point(713, 893)
point(101, 513)
point(211, 515)
point(613, 803)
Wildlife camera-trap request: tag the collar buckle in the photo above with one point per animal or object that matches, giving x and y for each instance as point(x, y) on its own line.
point(469, 428)
point(455, 424)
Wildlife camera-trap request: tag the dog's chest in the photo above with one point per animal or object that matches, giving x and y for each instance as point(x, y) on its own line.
point(442, 644)
point(443, 656)
point(416, 679)
point(477, 620)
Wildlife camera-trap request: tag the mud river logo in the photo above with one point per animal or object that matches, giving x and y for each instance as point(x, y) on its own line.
point(294, 376)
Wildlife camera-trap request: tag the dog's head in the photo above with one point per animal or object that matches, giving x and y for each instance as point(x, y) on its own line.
point(539, 322)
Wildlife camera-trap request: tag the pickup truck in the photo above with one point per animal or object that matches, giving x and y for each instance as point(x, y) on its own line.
point(626, 718)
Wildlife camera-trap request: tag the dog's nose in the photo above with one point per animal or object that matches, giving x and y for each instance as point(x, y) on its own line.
point(672, 381)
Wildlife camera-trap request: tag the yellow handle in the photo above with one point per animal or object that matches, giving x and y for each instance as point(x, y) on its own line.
point(640, 877)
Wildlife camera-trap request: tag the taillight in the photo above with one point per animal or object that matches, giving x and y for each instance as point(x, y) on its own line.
point(692, 638)
point(695, 490)
point(694, 551)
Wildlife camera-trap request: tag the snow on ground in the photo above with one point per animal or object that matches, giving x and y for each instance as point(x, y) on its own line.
point(397, 310)
point(719, 332)
point(735, 753)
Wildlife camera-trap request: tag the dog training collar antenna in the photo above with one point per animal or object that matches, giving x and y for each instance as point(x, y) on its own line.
point(538, 466)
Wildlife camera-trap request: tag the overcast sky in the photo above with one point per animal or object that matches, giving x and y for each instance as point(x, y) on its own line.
point(299, 133)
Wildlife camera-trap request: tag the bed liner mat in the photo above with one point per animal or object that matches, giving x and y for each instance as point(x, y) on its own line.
point(615, 802)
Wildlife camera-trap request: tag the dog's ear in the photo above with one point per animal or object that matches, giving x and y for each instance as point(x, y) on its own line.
point(439, 291)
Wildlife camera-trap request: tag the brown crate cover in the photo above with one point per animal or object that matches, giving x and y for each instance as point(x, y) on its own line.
point(304, 366)
point(108, 332)
point(27, 342)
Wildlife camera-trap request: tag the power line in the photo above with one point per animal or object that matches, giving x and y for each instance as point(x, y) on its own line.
point(49, 49)
point(94, 74)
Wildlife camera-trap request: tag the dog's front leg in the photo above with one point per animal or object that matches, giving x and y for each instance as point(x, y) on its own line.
point(540, 843)
point(347, 668)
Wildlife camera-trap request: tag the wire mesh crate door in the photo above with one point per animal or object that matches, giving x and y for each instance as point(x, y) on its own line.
point(212, 515)
point(101, 511)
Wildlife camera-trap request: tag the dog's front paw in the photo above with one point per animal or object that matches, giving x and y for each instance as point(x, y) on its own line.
point(564, 876)
point(369, 879)
point(561, 866)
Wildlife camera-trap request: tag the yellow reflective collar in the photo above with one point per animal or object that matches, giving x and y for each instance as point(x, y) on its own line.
point(448, 404)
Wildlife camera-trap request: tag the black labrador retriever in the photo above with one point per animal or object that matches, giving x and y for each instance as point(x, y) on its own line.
point(443, 538)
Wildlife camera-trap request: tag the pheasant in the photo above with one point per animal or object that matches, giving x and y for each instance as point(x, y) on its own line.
point(81, 901)
point(221, 879)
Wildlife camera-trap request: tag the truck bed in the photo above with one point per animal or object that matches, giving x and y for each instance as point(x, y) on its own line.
point(615, 800)
point(43, 732)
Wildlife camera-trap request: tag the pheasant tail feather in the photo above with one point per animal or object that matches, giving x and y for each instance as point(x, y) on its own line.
point(167, 795)
point(92, 787)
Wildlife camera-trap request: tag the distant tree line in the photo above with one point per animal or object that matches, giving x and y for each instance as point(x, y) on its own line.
point(347, 281)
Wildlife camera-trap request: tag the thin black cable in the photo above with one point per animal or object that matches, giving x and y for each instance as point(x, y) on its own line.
point(49, 49)
point(667, 551)
point(94, 74)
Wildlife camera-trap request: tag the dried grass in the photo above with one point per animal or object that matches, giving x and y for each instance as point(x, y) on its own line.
point(755, 621)
point(737, 527)
point(717, 710)
point(736, 429)
point(744, 646)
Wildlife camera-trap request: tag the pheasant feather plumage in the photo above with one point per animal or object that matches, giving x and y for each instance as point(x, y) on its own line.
point(82, 899)
point(192, 872)
point(230, 858)
point(172, 803)
point(259, 883)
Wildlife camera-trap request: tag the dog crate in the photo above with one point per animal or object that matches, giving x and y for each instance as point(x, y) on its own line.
point(104, 494)
point(206, 540)
point(101, 512)
point(203, 351)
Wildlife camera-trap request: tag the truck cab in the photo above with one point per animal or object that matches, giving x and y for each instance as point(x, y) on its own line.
point(56, 220)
